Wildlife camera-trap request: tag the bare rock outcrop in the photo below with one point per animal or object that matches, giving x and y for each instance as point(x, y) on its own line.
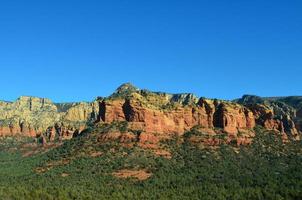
point(155, 114)
point(33, 116)
point(172, 117)
point(279, 114)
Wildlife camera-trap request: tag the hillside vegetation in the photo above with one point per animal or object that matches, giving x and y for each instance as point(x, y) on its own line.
point(87, 168)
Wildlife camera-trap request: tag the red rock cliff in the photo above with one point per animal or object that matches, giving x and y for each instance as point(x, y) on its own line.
point(177, 118)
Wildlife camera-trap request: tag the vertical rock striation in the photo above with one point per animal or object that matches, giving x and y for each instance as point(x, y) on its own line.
point(151, 112)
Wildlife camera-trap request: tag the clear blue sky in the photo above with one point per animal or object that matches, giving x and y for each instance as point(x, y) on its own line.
point(71, 50)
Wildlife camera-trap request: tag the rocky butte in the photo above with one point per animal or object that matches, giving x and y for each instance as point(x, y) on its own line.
point(155, 115)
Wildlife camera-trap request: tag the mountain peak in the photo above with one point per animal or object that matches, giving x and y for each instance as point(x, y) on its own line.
point(125, 89)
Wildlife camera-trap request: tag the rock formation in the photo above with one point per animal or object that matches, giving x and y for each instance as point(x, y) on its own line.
point(152, 113)
point(277, 114)
point(32, 116)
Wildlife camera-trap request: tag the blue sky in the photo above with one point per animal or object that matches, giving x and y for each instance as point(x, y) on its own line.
point(72, 50)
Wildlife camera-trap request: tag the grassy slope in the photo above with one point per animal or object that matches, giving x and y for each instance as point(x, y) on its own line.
point(265, 170)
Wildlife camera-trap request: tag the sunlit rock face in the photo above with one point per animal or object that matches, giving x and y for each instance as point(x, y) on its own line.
point(155, 113)
point(277, 113)
point(32, 116)
point(28, 116)
point(176, 118)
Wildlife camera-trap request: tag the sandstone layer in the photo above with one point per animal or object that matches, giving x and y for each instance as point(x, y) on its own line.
point(152, 113)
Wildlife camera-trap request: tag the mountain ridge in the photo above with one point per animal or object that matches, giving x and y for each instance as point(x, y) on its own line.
point(152, 113)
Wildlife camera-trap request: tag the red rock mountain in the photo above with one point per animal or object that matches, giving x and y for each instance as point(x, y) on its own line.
point(152, 113)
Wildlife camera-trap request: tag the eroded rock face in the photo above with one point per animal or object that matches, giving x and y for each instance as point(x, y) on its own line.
point(110, 111)
point(28, 116)
point(265, 117)
point(32, 116)
point(144, 115)
point(152, 113)
point(82, 112)
point(233, 117)
point(275, 114)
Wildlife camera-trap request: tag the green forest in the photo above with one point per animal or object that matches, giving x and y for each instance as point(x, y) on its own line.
point(265, 170)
